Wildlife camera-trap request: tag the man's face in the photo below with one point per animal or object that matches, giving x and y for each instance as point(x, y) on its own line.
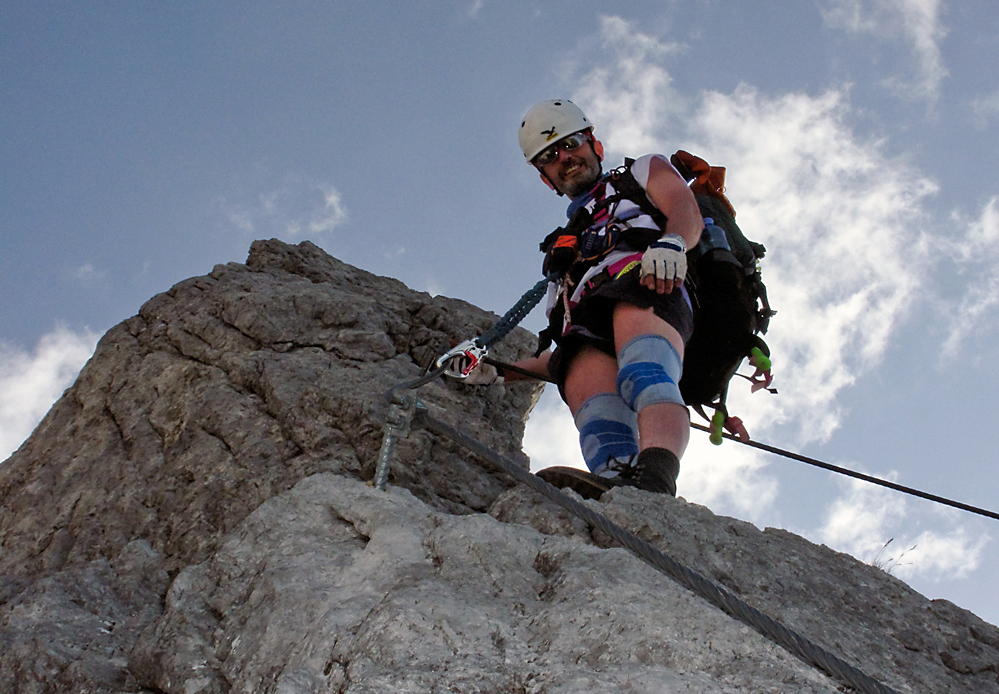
point(574, 171)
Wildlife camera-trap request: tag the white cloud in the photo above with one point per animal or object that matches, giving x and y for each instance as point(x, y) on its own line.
point(730, 478)
point(867, 517)
point(937, 556)
point(916, 22)
point(331, 215)
point(300, 208)
point(30, 382)
point(550, 437)
point(859, 521)
point(629, 95)
point(836, 213)
point(240, 219)
point(976, 252)
point(839, 218)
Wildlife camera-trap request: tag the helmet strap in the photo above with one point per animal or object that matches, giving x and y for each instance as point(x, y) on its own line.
point(548, 181)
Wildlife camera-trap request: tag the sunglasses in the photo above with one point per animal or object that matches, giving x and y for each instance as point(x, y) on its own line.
point(550, 154)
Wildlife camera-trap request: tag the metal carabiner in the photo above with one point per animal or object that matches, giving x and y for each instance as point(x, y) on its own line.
point(470, 350)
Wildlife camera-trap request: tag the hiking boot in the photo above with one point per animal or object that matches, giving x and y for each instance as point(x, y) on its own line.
point(586, 484)
point(653, 470)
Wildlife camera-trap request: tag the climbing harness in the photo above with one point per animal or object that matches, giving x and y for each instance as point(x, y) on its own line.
point(723, 278)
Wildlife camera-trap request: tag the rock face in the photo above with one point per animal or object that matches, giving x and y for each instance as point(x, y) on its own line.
point(192, 516)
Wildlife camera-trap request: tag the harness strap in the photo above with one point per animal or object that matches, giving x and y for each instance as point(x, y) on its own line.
point(615, 270)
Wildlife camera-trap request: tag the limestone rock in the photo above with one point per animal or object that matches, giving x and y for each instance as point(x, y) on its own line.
point(351, 589)
point(192, 516)
point(221, 393)
point(862, 614)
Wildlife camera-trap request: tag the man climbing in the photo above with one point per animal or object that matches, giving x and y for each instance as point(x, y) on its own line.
point(619, 312)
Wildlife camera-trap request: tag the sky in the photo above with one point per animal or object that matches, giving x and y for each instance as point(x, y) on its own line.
point(143, 143)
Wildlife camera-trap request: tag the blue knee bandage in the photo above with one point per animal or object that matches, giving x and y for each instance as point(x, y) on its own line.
point(649, 369)
point(608, 428)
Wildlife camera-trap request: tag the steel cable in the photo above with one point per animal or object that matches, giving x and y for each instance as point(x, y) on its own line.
point(790, 640)
point(857, 475)
point(798, 457)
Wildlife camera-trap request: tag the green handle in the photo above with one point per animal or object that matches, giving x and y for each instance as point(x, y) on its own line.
point(758, 359)
point(717, 422)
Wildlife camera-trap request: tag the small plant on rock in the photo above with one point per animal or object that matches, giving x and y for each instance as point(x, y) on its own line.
point(889, 564)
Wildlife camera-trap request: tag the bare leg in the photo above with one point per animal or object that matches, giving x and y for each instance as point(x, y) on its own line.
point(590, 373)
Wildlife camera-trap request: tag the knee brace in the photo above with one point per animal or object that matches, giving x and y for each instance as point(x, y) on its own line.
point(649, 369)
point(608, 428)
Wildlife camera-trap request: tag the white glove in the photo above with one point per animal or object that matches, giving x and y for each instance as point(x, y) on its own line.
point(666, 259)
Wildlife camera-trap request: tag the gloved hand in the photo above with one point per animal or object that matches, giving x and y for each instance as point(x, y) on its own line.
point(664, 264)
point(482, 374)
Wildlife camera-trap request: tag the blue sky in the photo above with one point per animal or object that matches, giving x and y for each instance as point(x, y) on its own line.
point(143, 143)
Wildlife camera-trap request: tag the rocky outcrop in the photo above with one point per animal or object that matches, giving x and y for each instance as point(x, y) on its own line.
point(192, 516)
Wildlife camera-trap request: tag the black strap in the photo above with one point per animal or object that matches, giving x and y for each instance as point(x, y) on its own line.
point(628, 188)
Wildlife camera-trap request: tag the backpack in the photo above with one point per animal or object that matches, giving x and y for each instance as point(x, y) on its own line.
point(729, 298)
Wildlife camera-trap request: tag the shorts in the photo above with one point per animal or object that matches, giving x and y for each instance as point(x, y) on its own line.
point(593, 319)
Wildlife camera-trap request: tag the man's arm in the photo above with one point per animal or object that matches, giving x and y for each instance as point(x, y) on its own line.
point(671, 195)
point(669, 192)
point(537, 365)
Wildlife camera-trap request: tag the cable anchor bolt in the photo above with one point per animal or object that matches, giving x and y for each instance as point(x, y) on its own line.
point(397, 425)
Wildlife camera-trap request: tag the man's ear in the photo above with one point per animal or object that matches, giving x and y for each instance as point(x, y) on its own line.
point(598, 149)
point(545, 179)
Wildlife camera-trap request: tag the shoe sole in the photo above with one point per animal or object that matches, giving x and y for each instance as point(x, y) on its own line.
point(584, 483)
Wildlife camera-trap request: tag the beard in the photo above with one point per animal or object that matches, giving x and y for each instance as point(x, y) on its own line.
point(580, 180)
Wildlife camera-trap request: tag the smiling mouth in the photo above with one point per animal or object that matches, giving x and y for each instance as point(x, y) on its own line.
point(571, 169)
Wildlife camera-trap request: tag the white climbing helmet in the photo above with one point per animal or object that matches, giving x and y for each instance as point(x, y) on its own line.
point(549, 122)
